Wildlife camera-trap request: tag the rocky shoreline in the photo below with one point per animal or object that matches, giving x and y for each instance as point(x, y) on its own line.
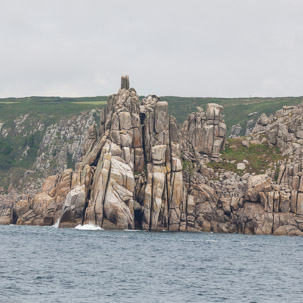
point(139, 170)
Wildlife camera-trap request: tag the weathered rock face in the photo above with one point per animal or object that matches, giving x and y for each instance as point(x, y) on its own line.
point(45, 208)
point(284, 129)
point(140, 171)
point(7, 202)
point(235, 131)
point(206, 130)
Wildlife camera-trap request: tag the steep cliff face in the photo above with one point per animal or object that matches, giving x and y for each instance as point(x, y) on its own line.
point(139, 171)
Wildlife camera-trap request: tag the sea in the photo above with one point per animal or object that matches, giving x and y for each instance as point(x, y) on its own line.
point(87, 264)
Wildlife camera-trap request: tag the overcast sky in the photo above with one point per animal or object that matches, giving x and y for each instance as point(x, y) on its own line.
point(226, 48)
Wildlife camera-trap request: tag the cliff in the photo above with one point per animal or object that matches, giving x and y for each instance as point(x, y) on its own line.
point(140, 171)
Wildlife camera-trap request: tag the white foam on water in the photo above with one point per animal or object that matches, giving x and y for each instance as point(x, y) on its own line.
point(88, 227)
point(56, 225)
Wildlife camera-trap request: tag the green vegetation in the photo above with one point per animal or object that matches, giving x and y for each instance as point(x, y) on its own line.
point(70, 162)
point(8, 102)
point(47, 107)
point(96, 103)
point(7, 154)
point(18, 150)
point(260, 157)
point(188, 167)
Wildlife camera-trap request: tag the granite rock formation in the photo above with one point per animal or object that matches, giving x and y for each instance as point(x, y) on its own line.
point(140, 171)
point(206, 130)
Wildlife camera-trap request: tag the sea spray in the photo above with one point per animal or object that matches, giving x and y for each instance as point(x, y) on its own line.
point(88, 227)
point(56, 225)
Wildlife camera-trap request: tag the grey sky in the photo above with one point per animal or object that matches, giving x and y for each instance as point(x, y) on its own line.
point(169, 47)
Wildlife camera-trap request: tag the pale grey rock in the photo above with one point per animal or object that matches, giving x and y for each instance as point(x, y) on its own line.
point(241, 166)
point(205, 132)
point(235, 131)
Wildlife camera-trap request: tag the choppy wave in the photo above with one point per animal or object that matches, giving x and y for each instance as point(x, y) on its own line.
point(88, 227)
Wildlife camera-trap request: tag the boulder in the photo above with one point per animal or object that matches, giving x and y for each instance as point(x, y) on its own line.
point(241, 166)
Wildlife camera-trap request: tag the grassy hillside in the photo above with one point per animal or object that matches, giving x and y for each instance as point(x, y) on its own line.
point(43, 107)
point(18, 134)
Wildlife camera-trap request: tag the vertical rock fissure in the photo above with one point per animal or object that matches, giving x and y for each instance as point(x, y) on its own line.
point(282, 174)
point(151, 203)
point(213, 140)
point(103, 202)
point(195, 139)
point(186, 211)
point(169, 193)
point(142, 119)
point(297, 194)
point(85, 206)
point(168, 202)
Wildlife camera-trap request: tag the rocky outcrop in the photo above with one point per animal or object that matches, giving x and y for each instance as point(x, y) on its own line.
point(206, 130)
point(284, 129)
point(7, 203)
point(139, 171)
point(45, 207)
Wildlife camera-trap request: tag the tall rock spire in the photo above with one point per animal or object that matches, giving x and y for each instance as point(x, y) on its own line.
point(124, 82)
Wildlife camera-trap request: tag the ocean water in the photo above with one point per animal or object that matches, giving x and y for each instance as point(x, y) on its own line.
point(46, 264)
